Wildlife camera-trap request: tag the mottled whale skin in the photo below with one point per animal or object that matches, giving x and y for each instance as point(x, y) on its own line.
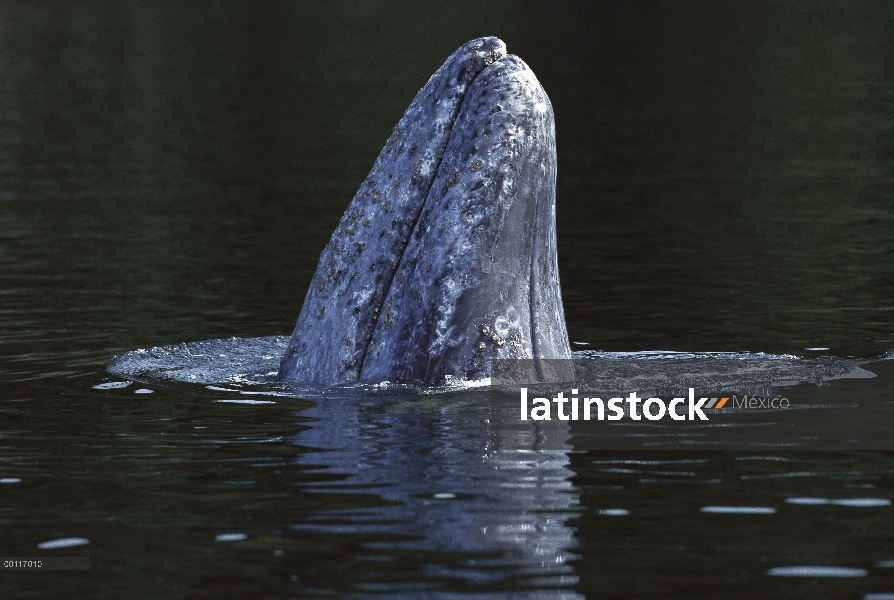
point(446, 257)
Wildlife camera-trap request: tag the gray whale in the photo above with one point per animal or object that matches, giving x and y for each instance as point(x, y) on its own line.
point(446, 257)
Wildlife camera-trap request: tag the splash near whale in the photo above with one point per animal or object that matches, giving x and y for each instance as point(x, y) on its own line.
point(446, 257)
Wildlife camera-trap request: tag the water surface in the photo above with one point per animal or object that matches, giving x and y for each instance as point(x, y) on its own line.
point(171, 174)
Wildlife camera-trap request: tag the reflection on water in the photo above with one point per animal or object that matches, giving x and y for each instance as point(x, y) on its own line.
point(505, 511)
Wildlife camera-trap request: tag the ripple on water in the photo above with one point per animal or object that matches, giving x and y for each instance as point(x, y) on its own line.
point(69, 542)
point(816, 571)
point(739, 510)
point(853, 502)
point(112, 385)
point(256, 361)
point(235, 401)
point(862, 502)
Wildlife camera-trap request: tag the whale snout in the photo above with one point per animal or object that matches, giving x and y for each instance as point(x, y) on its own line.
point(446, 257)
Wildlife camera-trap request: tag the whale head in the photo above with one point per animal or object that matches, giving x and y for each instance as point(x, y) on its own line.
point(445, 260)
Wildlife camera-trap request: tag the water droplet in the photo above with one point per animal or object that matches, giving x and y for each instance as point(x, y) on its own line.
point(501, 325)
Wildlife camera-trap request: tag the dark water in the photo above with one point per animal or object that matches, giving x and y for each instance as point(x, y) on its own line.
point(171, 173)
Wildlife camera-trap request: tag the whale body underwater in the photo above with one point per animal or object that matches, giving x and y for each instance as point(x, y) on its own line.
point(445, 260)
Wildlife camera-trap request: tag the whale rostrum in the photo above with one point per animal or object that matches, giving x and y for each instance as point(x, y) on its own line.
point(446, 257)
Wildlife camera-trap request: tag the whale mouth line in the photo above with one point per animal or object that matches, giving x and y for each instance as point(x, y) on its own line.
point(429, 184)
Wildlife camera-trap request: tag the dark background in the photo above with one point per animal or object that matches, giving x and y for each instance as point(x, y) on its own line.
point(171, 171)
